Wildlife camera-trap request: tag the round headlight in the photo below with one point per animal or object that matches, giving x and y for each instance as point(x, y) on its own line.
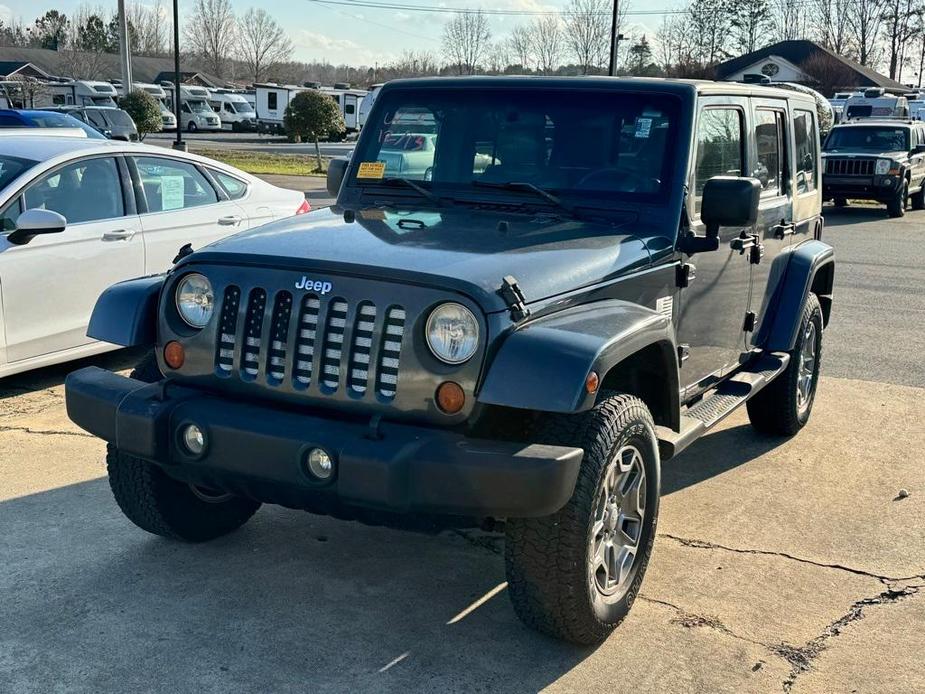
point(452, 333)
point(195, 301)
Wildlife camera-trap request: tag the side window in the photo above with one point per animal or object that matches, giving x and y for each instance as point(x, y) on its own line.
point(804, 135)
point(58, 99)
point(84, 191)
point(170, 184)
point(235, 187)
point(769, 136)
point(9, 215)
point(349, 109)
point(719, 147)
point(271, 101)
point(96, 119)
point(185, 107)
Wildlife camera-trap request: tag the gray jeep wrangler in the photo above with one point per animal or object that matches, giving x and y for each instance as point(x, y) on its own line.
point(529, 294)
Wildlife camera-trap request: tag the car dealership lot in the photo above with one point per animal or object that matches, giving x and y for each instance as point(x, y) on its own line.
point(781, 564)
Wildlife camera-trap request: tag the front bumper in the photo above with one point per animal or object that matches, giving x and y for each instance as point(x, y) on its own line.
point(260, 451)
point(880, 187)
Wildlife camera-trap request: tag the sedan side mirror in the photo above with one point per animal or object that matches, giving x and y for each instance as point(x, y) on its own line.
point(337, 169)
point(729, 201)
point(32, 223)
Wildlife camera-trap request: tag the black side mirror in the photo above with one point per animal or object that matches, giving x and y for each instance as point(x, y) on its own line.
point(919, 149)
point(337, 169)
point(729, 201)
point(32, 223)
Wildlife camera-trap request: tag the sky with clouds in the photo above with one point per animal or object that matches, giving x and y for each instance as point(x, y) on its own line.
point(358, 35)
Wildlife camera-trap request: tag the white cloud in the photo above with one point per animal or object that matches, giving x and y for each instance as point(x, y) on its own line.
point(6, 15)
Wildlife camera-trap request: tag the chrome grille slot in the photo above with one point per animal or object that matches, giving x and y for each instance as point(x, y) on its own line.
point(227, 325)
point(305, 340)
point(393, 329)
point(333, 344)
point(841, 166)
point(279, 334)
point(362, 347)
point(253, 324)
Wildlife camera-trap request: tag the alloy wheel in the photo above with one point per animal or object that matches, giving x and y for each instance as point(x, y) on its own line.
point(807, 368)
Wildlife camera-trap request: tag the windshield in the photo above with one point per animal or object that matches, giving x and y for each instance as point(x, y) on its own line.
point(102, 101)
point(50, 119)
point(120, 118)
point(462, 139)
point(242, 107)
point(11, 167)
point(875, 139)
point(198, 106)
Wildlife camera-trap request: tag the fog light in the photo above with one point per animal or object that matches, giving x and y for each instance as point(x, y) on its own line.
point(194, 439)
point(450, 397)
point(174, 355)
point(320, 463)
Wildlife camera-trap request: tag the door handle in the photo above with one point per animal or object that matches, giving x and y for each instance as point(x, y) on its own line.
point(231, 220)
point(118, 235)
point(782, 231)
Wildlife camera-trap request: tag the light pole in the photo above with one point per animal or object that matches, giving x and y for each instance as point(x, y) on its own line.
point(125, 50)
point(615, 39)
point(179, 144)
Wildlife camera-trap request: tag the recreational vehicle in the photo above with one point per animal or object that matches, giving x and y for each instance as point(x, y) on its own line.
point(195, 112)
point(234, 110)
point(876, 103)
point(348, 101)
point(168, 119)
point(367, 103)
point(272, 100)
point(76, 93)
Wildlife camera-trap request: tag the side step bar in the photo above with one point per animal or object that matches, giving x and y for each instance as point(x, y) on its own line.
point(720, 403)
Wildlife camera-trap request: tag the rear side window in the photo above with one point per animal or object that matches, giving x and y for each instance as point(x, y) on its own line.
point(235, 187)
point(719, 147)
point(807, 149)
point(170, 184)
point(271, 101)
point(769, 137)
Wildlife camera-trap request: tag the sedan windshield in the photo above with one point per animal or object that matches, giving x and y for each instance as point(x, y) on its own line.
point(872, 138)
point(601, 144)
point(11, 167)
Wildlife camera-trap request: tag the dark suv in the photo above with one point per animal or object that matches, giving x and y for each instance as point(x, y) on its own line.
point(880, 160)
point(589, 275)
point(112, 122)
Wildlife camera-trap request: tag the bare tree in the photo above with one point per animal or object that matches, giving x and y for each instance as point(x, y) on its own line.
point(587, 31)
point(210, 34)
point(150, 26)
point(864, 20)
point(261, 42)
point(465, 40)
point(411, 64)
point(712, 23)
point(498, 57)
point(750, 21)
point(829, 73)
point(832, 23)
point(548, 41)
point(24, 91)
point(789, 19)
point(520, 43)
point(899, 21)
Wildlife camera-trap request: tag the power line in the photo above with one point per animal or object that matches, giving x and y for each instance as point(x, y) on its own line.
point(404, 7)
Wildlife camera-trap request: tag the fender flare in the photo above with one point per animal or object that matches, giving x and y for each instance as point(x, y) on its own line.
point(543, 366)
point(805, 263)
point(126, 313)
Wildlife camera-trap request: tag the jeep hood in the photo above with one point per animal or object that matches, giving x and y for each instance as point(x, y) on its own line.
point(462, 250)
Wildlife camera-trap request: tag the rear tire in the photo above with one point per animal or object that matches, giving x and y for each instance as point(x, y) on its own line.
point(783, 406)
point(575, 574)
point(917, 200)
point(164, 506)
point(897, 206)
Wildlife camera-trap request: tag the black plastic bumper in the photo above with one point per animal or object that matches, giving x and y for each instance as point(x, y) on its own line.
point(878, 187)
point(261, 451)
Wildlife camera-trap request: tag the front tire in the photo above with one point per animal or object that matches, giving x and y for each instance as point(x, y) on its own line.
point(897, 206)
point(164, 506)
point(192, 127)
point(783, 406)
point(840, 202)
point(575, 574)
point(917, 200)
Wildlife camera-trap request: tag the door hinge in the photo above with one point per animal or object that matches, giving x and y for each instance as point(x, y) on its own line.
point(514, 298)
point(685, 273)
point(750, 320)
point(757, 251)
point(684, 352)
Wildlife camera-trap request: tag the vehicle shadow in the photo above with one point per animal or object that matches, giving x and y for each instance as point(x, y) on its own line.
point(841, 216)
point(291, 601)
point(52, 376)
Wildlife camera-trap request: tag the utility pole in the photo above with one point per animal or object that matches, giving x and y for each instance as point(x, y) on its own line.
point(615, 39)
point(179, 144)
point(125, 50)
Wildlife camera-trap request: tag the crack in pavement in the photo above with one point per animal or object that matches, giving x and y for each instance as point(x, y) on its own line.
point(800, 658)
point(702, 544)
point(48, 432)
point(691, 620)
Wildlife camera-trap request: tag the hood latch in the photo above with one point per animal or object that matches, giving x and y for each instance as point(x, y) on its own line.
point(514, 297)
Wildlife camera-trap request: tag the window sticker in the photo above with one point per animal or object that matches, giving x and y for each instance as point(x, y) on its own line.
point(643, 127)
point(371, 169)
point(172, 189)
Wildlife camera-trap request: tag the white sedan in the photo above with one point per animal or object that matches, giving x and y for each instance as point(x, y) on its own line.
point(78, 215)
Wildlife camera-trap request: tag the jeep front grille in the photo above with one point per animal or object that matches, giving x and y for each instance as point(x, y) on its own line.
point(839, 166)
point(320, 342)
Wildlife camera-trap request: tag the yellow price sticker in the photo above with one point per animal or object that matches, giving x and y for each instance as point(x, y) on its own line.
point(371, 169)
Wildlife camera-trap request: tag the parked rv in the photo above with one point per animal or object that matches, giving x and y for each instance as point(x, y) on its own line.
point(272, 100)
point(876, 103)
point(348, 101)
point(76, 93)
point(367, 103)
point(168, 119)
point(233, 109)
point(838, 103)
point(195, 112)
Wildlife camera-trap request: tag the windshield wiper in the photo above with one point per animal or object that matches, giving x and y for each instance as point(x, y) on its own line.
point(415, 187)
point(523, 185)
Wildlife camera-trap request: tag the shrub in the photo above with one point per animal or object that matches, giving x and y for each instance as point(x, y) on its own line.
point(144, 110)
point(312, 115)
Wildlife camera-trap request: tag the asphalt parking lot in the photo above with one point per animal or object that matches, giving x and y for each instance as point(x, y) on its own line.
point(781, 565)
point(272, 144)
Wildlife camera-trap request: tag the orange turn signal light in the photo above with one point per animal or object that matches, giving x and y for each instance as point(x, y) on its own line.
point(592, 383)
point(174, 355)
point(450, 397)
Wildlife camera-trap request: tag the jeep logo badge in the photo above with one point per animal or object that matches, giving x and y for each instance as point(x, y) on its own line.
point(308, 284)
